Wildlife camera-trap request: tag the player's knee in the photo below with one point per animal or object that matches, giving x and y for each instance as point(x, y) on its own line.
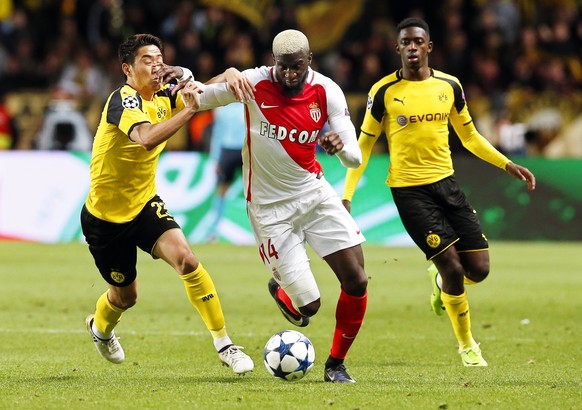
point(124, 301)
point(311, 308)
point(186, 261)
point(478, 273)
point(128, 303)
point(453, 275)
point(356, 285)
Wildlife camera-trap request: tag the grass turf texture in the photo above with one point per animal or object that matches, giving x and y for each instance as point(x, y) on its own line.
point(526, 317)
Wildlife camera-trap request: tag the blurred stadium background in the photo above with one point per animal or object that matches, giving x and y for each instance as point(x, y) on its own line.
point(519, 61)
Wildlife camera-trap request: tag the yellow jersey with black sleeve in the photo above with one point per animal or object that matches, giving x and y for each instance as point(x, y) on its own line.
point(122, 172)
point(414, 115)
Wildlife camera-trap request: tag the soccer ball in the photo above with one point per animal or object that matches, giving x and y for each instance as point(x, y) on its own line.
point(289, 355)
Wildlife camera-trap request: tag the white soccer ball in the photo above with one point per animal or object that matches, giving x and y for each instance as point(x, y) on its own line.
point(289, 355)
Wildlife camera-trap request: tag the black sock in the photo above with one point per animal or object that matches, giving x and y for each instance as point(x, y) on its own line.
point(333, 362)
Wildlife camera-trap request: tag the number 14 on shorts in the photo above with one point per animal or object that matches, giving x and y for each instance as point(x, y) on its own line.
point(267, 252)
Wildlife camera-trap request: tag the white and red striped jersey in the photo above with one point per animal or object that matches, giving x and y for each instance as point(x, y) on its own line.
point(279, 161)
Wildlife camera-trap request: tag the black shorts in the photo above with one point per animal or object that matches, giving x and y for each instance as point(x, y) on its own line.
point(439, 215)
point(114, 245)
point(229, 163)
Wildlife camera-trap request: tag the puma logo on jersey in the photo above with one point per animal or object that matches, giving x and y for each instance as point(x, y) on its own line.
point(294, 135)
point(400, 101)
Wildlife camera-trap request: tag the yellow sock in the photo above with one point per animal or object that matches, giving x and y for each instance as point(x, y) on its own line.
point(457, 307)
point(202, 294)
point(468, 281)
point(106, 315)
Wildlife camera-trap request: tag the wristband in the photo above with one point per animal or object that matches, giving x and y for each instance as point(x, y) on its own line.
point(186, 76)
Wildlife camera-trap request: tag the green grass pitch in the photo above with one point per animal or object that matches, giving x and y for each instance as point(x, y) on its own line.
point(526, 315)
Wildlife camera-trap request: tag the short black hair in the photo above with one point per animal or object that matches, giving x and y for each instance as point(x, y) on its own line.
point(413, 22)
point(128, 49)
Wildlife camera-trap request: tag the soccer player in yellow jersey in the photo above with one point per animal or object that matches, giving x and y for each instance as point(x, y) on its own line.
point(123, 211)
point(413, 107)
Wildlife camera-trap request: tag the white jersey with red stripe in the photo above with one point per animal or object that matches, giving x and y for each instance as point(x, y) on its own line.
point(279, 161)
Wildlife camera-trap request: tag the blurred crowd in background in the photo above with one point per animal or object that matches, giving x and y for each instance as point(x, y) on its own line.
point(519, 60)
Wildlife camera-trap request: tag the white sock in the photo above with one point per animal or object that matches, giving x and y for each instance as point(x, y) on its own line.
point(99, 334)
point(222, 342)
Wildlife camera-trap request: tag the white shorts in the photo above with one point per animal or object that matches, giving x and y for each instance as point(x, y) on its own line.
point(281, 230)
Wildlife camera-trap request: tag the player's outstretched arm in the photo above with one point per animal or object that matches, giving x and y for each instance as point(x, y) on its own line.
point(237, 83)
point(522, 173)
point(150, 136)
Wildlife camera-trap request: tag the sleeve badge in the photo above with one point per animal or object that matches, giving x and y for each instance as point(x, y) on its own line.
point(130, 102)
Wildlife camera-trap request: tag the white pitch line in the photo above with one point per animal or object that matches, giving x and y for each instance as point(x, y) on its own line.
point(121, 332)
point(195, 333)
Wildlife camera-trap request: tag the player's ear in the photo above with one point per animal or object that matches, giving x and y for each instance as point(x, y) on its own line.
point(125, 68)
point(429, 46)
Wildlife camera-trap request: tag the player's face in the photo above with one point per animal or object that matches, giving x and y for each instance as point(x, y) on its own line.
point(292, 70)
point(414, 46)
point(142, 74)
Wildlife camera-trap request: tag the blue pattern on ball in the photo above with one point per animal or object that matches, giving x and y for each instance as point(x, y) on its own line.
point(280, 355)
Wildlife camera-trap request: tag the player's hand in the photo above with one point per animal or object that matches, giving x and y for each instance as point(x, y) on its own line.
point(347, 204)
point(190, 95)
point(239, 85)
point(331, 142)
point(167, 73)
point(522, 173)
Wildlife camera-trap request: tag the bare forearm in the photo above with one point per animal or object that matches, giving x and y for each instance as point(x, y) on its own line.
point(150, 136)
point(237, 83)
point(230, 74)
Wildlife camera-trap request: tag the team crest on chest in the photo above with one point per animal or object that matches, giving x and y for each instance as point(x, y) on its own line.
point(314, 111)
point(162, 113)
point(130, 102)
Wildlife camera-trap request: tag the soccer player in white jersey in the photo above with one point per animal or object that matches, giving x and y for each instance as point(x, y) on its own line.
point(289, 200)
